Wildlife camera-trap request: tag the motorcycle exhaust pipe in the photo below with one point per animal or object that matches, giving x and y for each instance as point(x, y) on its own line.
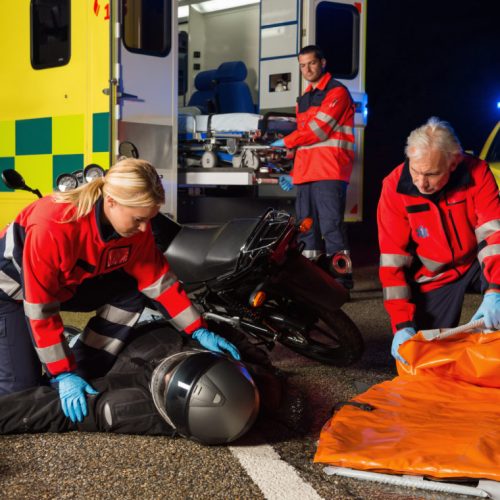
point(234, 321)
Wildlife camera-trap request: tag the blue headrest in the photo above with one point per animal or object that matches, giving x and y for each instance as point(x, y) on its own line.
point(234, 71)
point(205, 80)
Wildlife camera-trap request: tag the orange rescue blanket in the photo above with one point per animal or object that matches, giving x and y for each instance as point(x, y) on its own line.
point(440, 417)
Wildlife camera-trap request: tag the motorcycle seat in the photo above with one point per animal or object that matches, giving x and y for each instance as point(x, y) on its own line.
point(199, 254)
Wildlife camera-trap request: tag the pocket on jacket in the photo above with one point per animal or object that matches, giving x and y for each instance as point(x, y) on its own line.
point(6, 368)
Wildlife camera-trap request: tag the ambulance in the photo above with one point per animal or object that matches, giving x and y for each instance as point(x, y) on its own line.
point(88, 81)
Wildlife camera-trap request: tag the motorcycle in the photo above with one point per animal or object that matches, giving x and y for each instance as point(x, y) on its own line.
point(249, 275)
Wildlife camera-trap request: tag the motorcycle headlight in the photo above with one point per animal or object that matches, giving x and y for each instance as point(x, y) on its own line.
point(66, 182)
point(92, 172)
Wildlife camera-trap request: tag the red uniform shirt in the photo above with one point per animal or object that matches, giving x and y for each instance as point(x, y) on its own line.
point(43, 260)
point(448, 233)
point(325, 133)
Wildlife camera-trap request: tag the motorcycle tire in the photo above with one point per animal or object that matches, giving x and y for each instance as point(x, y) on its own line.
point(331, 337)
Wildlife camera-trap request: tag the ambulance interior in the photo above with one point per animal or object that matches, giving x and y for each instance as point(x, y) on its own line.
point(238, 83)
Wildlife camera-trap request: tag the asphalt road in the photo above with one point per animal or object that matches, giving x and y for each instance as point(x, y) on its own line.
point(274, 460)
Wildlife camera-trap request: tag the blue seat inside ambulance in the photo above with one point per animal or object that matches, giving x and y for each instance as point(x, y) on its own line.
point(204, 96)
point(232, 92)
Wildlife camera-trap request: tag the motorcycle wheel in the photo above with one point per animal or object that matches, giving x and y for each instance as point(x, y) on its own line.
point(330, 336)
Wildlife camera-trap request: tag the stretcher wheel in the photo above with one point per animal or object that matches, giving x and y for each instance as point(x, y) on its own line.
point(251, 160)
point(209, 159)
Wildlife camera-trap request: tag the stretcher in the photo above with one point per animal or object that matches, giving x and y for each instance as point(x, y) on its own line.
point(236, 139)
point(435, 425)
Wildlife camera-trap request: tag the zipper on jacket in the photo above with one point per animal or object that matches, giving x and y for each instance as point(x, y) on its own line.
point(443, 223)
point(455, 229)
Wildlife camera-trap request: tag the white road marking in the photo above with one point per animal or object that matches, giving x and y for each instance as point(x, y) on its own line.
point(275, 478)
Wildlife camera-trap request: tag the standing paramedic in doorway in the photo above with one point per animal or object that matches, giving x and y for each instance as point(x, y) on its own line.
point(439, 235)
point(324, 157)
point(88, 249)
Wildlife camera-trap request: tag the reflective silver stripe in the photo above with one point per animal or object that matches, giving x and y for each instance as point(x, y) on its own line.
point(119, 316)
point(10, 286)
point(41, 311)
point(318, 132)
point(329, 120)
point(428, 279)
point(97, 341)
point(395, 260)
point(487, 229)
point(9, 246)
point(432, 265)
point(311, 254)
point(164, 283)
point(53, 353)
point(337, 143)
point(396, 292)
point(345, 130)
point(185, 318)
point(488, 251)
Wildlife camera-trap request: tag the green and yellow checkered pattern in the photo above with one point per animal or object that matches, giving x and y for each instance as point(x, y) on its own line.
point(41, 149)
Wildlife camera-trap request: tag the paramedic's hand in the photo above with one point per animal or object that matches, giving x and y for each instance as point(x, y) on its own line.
point(285, 182)
point(72, 389)
point(279, 143)
point(489, 311)
point(215, 343)
point(399, 337)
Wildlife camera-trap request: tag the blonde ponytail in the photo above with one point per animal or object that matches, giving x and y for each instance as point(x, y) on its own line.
point(130, 182)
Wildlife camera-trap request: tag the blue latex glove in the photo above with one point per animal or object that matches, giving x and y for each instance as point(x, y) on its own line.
point(489, 311)
point(215, 343)
point(72, 389)
point(285, 182)
point(278, 143)
point(399, 337)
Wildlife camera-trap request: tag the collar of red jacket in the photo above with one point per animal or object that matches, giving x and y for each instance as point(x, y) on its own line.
point(106, 231)
point(321, 84)
point(459, 178)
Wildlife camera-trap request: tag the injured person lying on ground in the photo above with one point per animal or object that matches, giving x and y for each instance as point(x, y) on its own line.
point(159, 385)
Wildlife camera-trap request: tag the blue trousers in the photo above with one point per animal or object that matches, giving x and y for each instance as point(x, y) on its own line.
point(118, 303)
point(441, 308)
point(324, 202)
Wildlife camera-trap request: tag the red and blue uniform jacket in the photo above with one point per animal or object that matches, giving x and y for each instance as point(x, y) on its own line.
point(43, 260)
point(444, 233)
point(324, 138)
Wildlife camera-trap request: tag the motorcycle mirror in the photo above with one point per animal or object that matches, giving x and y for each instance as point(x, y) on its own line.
point(14, 180)
point(92, 172)
point(66, 182)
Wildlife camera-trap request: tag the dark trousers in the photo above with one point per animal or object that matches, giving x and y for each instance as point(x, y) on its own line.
point(118, 303)
point(442, 308)
point(124, 403)
point(324, 202)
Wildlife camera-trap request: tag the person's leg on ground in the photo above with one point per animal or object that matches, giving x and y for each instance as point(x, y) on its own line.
point(314, 245)
point(20, 367)
point(329, 198)
point(441, 308)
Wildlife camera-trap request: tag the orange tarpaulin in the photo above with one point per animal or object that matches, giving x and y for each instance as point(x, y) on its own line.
point(439, 418)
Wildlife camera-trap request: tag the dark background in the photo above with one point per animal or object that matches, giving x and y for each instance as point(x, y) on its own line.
point(424, 58)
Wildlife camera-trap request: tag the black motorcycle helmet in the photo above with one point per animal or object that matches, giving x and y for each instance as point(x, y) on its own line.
point(205, 396)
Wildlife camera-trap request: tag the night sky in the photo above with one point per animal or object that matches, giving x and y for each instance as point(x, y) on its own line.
point(439, 58)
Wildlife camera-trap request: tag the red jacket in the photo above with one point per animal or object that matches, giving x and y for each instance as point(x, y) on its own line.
point(43, 261)
point(325, 133)
point(448, 235)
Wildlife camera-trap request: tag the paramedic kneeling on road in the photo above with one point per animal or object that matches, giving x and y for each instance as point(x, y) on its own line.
point(87, 249)
point(439, 235)
point(324, 157)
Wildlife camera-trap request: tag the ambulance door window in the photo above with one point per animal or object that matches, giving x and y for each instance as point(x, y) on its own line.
point(50, 33)
point(147, 26)
point(337, 33)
